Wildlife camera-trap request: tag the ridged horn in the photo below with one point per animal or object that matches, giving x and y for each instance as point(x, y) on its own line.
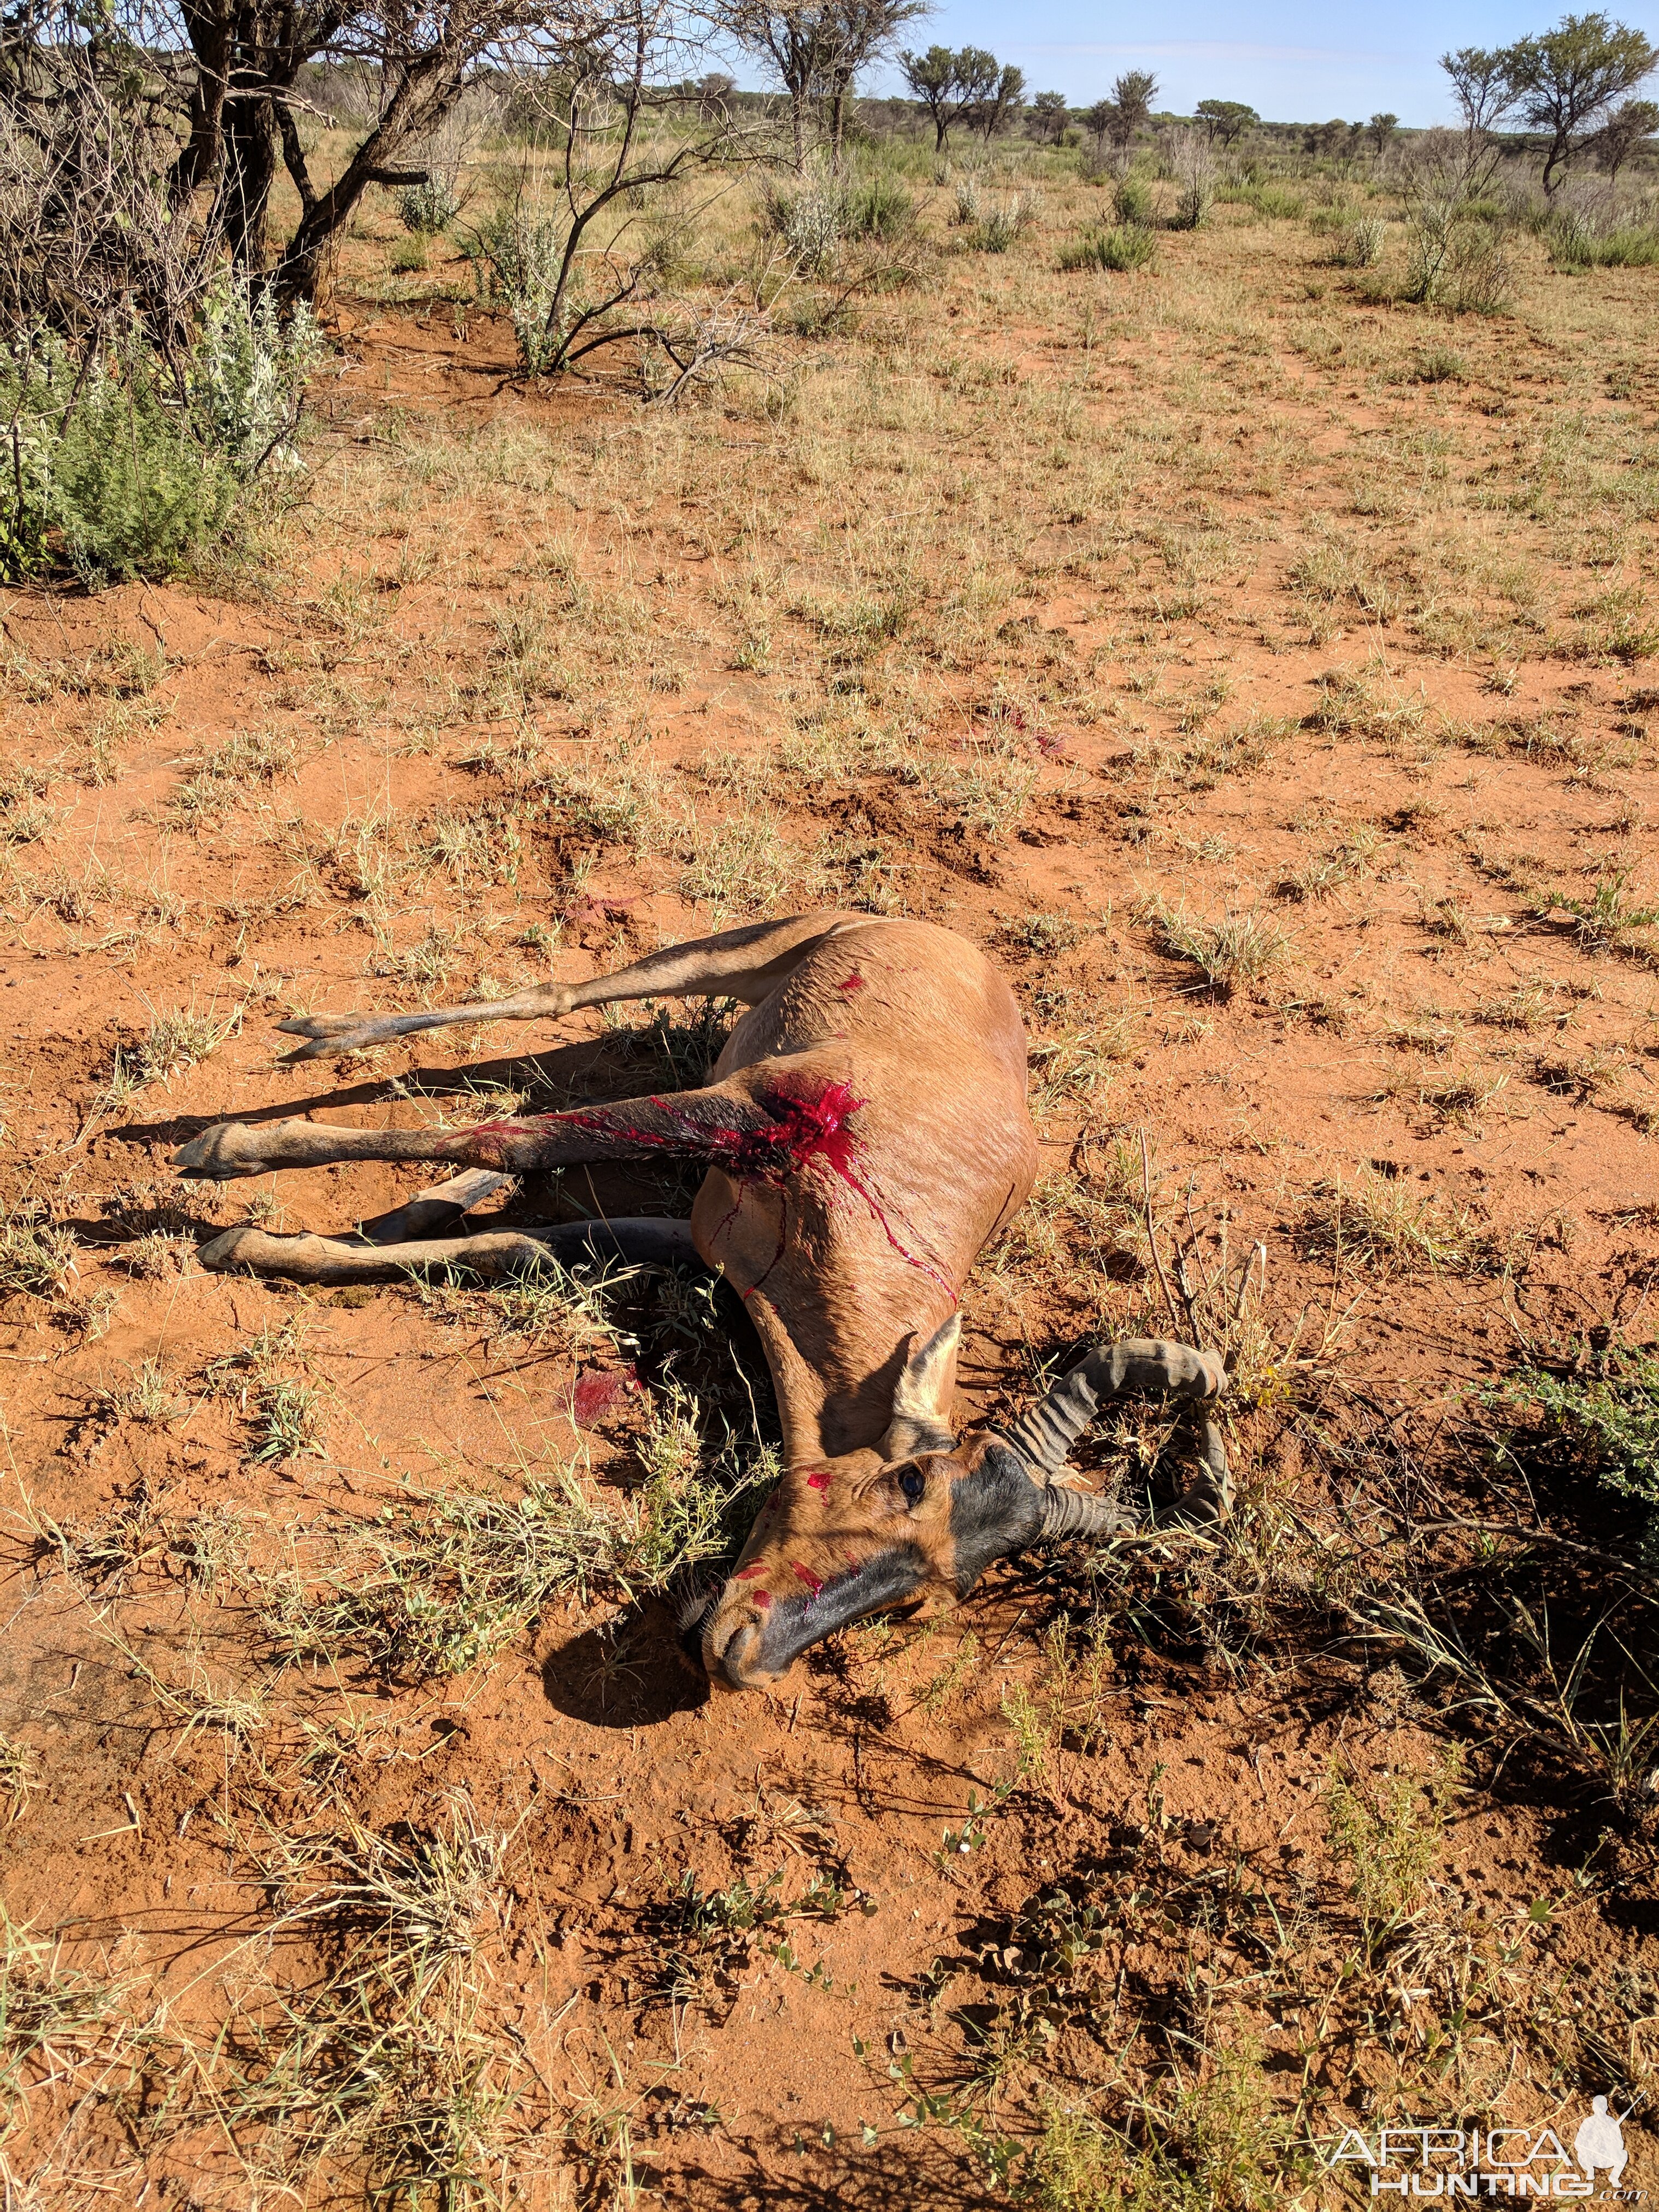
point(1044, 1434)
point(1077, 1513)
point(1147, 1366)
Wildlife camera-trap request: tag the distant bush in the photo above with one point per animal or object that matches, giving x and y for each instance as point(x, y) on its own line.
point(427, 208)
point(1123, 247)
point(1359, 244)
point(1577, 241)
point(1132, 202)
point(999, 226)
point(129, 463)
point(881, 208)
point(1275, 203)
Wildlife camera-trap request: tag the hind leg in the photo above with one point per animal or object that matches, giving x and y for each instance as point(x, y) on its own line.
point(747, 964)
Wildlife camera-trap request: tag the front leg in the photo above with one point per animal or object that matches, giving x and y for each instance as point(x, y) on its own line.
point(749, 1126)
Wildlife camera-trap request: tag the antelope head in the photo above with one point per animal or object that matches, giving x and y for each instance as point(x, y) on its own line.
point(922, 1516)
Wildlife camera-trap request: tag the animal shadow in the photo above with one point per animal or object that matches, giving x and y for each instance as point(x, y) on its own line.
point(628, 1672)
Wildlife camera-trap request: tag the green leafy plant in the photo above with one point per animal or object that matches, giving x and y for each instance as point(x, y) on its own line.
point(1605, 1417)
point(130, 462)
point(427, 208)
point(519, 255)
point(1131, 201)
point(1388, 1831)
point(1121, 249)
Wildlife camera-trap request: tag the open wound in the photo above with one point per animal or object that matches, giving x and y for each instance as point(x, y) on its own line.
point(803, 1124)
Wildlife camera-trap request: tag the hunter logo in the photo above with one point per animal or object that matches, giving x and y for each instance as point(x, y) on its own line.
point(1420, 2161)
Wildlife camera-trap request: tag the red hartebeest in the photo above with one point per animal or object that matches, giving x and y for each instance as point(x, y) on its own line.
point(864, 1132)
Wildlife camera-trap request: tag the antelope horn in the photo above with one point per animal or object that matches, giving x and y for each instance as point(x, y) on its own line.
point(1078, 1513)
point(1043, 1435)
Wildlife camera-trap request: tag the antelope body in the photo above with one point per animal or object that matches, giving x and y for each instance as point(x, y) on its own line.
point(864, 1132)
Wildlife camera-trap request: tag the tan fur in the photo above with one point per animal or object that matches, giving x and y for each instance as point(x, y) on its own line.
point(849, 1261)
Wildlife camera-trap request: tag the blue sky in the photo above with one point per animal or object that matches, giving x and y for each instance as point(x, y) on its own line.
point(1292, 60)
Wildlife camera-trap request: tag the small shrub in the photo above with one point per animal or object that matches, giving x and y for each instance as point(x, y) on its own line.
point(967, 210)
point(1124, 247)
point(519, 255)
point(1457, 261)
point(881, 208)
point(109, 482)
point(429, 207)
point(1605, 1422)
point(410, 254)
point(1192, 164)
point(1000, 225)
point(811, 222)
point(1360, 246)
point(1481, 276)
point(130, 463)
point(1131, 201)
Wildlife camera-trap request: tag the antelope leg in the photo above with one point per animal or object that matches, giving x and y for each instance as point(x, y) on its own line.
point(747, 964)
point(436, 1208)
point(497, 1254)
point(710, 1125)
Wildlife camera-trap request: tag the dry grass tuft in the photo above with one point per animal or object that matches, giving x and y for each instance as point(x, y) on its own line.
point(1240, 951)
point(1387, 1223)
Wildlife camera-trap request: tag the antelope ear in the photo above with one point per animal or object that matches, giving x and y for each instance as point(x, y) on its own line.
point(921, 1396)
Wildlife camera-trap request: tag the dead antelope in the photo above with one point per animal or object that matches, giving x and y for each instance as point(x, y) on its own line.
point(864, 1134)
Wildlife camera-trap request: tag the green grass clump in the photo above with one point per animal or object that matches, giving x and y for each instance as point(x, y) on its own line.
point(1238, 951)
point(1214, 2143)
point(1576, 243)
point(1275, 203)
point(1390, 1223)
point(880, 209)
point(1120, 248)
point(36, 1257)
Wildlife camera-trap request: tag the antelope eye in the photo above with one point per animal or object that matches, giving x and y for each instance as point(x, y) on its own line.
point(912, 1483)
